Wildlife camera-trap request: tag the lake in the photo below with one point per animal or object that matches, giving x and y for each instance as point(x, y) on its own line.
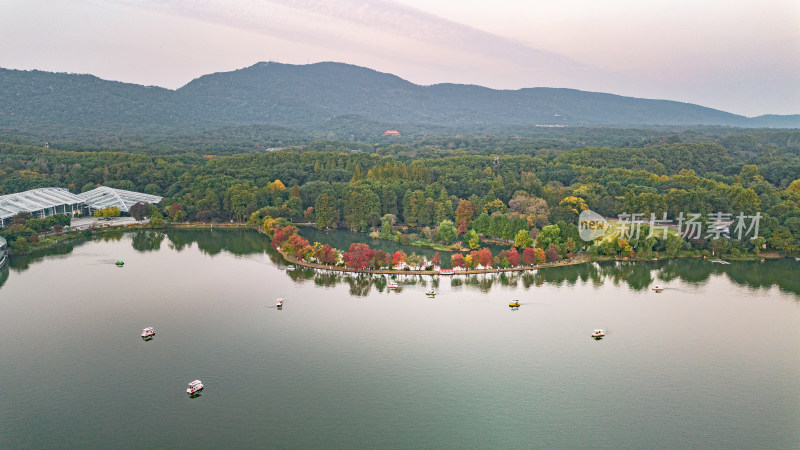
point(712, 361)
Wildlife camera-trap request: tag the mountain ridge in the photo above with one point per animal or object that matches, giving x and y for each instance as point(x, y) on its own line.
point(305, 96)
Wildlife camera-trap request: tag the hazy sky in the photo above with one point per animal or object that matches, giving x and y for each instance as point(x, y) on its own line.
point(741, 56)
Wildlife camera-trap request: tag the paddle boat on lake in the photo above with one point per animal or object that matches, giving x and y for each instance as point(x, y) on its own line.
point(119, 263)
point(279, 303)
point(194, 387)
point(598, 334)
point(658, 288)
point(514, 304)
point(430, 292)
point(148, 332)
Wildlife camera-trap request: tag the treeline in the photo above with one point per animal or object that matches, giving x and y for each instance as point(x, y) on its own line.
point(496, 196)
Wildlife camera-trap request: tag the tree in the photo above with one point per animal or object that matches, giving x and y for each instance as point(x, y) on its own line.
point(513, 256)
point(552, 253)
point(138, 210)
point(446, 232)
point(523, 239)
point(550, 234)
point(436, 260)
point(485, 257)
point(87, 187)
point(358, 256)
point(528, 256)
point(398, 258)
point(783, 240)
point(457, 260)
point(176, 212)
point(539, 256)
point(324, 211)
point(494, 206)
point(472, 240)
point(462, 227)
point(465, 212)
point(156, 220)
point(358, 204)
point(326, 255)
point(240, 200)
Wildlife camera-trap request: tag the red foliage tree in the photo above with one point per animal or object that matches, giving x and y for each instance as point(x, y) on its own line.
point(484, 257)
point(552, 253)
point(296, 245)
point(436, 260)
point(462, 227)
point(457, 260)
point(398, 257)
point(326, 255)
point(359, 256)
point(513, 257)
point(528, 256)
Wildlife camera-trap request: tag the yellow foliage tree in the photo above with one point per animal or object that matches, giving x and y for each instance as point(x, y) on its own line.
point(575, 204)
point(276, 186)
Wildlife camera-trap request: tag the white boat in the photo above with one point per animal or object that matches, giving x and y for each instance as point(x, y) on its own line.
point(598, 333)
point(430, 292)
point(194, 387)
point(393, 285)
point(658, 288)
point(148, 332)
point(279, 303)
point(290, 268)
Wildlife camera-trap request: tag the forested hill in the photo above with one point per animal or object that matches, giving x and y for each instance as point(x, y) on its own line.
point(304, 97)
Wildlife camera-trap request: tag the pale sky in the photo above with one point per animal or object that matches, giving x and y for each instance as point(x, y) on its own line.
point(741, 56)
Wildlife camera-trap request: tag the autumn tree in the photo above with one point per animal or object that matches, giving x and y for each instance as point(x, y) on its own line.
point(358, 256)
point(465, 212)
point(528, 257)
point(457, 260)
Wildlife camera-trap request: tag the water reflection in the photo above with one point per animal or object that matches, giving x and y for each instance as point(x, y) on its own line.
point(638, 276)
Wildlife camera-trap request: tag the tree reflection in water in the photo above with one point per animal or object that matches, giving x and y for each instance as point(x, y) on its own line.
point(638, 276)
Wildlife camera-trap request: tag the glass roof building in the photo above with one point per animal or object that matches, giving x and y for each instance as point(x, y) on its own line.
point(45, 202)
point(105, 197)
point(40, 202)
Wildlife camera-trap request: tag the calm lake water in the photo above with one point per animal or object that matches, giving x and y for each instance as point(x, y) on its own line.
point(713, 361)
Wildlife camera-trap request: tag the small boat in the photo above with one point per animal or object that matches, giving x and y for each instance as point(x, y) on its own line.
point(194, 387)
point(430, 292)
point(598, 334)
point(514, 304)
point(393, 285)
point(119, 263)
point(658, 288)
point(446, 271)
point(279, 303)
point(719, 261)
point(290, 268)
point(148, 332)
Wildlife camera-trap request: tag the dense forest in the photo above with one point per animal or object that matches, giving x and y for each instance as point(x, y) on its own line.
point(450, 190)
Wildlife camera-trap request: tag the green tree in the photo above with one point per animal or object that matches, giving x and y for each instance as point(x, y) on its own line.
point(325, 211)
point(446, 232)
point(523, 240)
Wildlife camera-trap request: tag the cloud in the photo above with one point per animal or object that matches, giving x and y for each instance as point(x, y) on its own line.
point(378, 28)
